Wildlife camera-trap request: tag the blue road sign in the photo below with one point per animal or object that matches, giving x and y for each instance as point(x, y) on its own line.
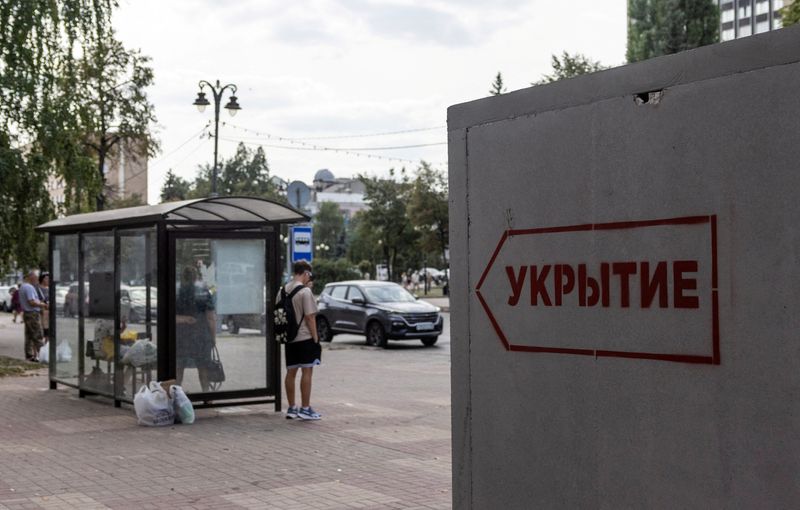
point(301, 243)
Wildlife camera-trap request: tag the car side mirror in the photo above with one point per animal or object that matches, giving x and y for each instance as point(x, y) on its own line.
point(358, 301)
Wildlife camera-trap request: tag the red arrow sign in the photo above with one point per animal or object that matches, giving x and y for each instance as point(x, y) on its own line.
point(638, 289)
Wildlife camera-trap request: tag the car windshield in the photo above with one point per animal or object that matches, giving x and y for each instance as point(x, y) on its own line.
point(388, 294)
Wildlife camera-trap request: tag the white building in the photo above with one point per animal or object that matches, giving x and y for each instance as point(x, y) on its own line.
point(740, 18)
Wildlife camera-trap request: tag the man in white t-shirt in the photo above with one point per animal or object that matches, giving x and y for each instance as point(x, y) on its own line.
point(304, 352)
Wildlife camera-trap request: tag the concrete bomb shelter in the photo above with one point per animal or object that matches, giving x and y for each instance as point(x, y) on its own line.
point(625, 285)
point(175, 290)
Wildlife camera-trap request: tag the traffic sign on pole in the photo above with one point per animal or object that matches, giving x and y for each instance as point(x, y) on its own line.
point(300, 243)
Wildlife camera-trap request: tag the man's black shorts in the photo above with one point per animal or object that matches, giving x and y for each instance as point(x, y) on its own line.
point(305, 354)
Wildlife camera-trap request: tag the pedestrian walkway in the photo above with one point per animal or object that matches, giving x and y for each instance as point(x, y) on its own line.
point(383, 442)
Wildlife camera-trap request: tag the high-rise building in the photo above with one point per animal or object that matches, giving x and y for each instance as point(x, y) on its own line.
point(740, 18)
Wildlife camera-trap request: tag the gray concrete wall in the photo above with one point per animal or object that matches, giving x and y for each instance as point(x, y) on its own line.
point(690, 401)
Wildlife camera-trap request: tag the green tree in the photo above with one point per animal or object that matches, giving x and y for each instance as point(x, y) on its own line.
point(790, 14)
point(121, 203)
point(174, 188)
point(329, 230)
point(497, 85)
point(114, 107)
point(333, 270)
point(428, 210)
point(569, 66)
point(244, 174)
point(362, 241)
point(662, 27)
point(40, 134)
point(387, 219)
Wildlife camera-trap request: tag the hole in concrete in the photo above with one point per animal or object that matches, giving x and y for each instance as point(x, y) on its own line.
point(649, 97)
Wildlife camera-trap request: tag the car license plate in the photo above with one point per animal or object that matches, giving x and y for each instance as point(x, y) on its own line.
point(425, 326)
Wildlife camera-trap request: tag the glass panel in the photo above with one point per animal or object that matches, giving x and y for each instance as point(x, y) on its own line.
point(220, 302)
point(98, 312)
point(339, 292)
point(355, 293)
point(65, 335)
point(138, 310)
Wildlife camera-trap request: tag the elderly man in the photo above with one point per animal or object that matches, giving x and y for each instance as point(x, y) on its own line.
point(31, 315)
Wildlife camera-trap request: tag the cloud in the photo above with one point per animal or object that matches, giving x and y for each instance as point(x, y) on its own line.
point(411, 22)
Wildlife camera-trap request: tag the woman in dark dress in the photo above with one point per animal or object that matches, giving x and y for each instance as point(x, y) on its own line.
point(195, 327)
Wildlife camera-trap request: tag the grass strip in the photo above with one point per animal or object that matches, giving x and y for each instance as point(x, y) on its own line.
point(13, 366)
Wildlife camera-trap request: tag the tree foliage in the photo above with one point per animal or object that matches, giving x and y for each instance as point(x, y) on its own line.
point(114, 107)
point(662, 27)
point(569, 66)
point(497, 85)
point(121, 203)
point(790, 14)
point(246, 173)
point(428, 210)
point(40, 135)
point(174, 188)
point(329, 230)
point(386, 222)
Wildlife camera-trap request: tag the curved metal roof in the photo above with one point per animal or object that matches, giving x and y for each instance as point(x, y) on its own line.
point(221, 209)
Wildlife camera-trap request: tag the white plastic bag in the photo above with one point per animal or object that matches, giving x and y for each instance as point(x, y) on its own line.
point(140, 353)
point(63, 352)
point(153, 406)
point(44, 354)
point(183, 406)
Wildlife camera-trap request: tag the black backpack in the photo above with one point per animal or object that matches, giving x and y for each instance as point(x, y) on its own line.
point(286, 324)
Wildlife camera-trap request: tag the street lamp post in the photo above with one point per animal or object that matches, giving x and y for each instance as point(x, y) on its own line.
point(233, 106)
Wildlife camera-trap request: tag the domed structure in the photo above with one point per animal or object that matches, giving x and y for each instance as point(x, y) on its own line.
point(324, 175)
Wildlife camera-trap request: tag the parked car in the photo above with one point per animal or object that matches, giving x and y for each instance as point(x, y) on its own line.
point(71, 300)
point(247, 320)
point(61, 296)
point(436, 275)
point(5, 299)
point(138, 303)
point(381, 311)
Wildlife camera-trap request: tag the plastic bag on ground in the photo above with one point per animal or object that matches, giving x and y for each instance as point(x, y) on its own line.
point(44, 354)
point(183, 406)
point(63, 352)
point(153, 406)
point(141, 353)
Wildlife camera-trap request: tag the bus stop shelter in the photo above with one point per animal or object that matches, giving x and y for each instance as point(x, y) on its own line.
point(179, 290)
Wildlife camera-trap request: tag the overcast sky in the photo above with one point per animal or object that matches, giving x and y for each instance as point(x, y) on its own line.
point(332, 68)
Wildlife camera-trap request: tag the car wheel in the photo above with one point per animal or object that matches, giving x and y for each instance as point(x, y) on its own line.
point(233, 328)
point(376, 335)
point(133, 317)
point(324, 330)
point(429, 342)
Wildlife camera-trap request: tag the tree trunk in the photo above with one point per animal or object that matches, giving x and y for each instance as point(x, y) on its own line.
point(101, 161)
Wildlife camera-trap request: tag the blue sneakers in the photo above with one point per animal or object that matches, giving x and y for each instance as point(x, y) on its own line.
point(307, 413)
point(291, 413)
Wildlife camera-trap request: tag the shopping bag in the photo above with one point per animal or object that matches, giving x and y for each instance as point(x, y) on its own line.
point(153, 406)
point(63, 352)
point(183, 406)
point(44, 354)
point(141, 353)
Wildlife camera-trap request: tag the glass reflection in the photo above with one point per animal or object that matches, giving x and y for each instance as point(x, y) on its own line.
point(195, 326)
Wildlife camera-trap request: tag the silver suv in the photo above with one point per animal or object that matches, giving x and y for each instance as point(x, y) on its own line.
point(381, 311)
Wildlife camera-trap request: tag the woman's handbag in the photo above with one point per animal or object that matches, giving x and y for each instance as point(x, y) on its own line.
point(216, 374)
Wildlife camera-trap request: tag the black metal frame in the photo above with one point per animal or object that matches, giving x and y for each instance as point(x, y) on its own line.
point(166, 233)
